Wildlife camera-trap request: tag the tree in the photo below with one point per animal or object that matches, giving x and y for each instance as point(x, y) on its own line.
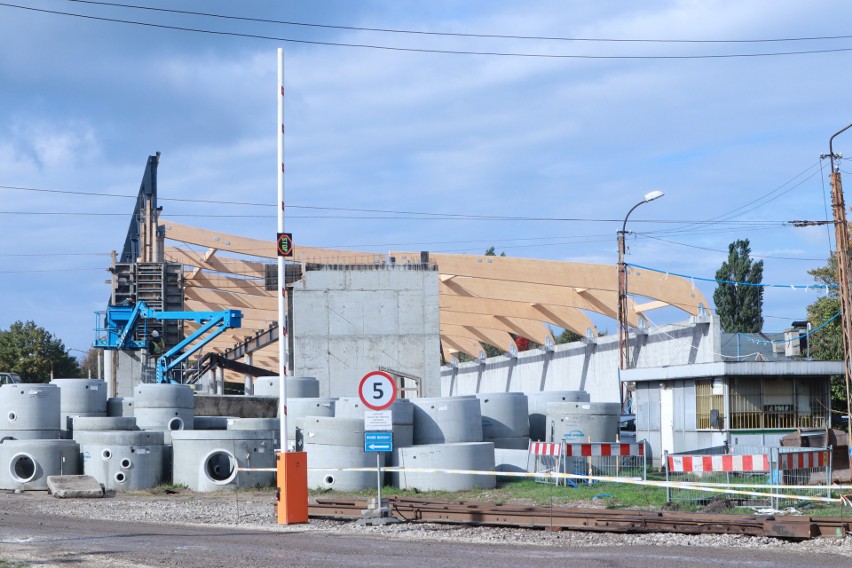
point(827, 343)
point(89, 366)
point(568, 336)
point(492, 252)
point(739, 302)
point(33, 353)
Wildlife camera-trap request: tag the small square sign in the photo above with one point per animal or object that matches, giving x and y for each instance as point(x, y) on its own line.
point(378, 420)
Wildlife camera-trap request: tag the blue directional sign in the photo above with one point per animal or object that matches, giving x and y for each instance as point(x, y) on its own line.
point(378, 441)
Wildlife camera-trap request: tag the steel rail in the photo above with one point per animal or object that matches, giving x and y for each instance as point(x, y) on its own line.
point(598, 520)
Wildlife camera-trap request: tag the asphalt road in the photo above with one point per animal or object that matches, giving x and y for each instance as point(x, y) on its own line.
point(47, 540)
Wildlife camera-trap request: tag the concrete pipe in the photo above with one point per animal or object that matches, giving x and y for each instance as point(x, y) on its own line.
point(318, 430)
point(447, 420)
point(301, 407)
point(504, 415)
point(132, 461)
point(163, 396)
point(208, 460)
point(29, 406)
point(297, 387)
point(538, 402)
point(85, 397)
point(26, 464)
point(120, 406)
point(271, 425)
point(321, 456)
point(478, 456)
point(579, 422)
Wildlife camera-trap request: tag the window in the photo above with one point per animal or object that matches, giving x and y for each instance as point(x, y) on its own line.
point(769, 402)
point(709, 404)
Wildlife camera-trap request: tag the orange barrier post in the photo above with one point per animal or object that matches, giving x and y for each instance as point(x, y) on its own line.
point(292, 504)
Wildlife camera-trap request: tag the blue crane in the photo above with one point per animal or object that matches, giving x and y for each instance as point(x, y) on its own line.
point(122, 322)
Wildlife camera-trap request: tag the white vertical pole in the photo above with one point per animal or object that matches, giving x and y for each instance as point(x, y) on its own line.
point(282, 304)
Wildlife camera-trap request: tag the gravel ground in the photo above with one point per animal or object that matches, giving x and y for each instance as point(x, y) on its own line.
point(255, 510)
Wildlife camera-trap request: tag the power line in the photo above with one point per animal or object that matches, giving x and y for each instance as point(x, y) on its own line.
point(424, 50)
point(735, 283)
point(726, 252)
point(458, 34)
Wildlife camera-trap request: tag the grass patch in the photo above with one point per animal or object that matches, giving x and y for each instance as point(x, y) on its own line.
point(9, 564)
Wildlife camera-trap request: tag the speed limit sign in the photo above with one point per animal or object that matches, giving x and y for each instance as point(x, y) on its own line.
point(377, 390)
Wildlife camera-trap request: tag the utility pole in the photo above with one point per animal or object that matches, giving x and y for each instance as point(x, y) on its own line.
point(841, 231)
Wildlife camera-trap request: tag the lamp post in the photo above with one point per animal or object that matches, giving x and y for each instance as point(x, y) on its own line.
point(623, 330)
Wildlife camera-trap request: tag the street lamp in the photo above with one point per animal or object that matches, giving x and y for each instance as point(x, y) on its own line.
point(623, 330)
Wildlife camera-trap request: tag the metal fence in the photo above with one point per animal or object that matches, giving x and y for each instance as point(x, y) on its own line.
point(765, 474)
point(592, 459)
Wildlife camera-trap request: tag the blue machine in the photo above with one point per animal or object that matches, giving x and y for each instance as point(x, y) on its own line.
point(122, 323)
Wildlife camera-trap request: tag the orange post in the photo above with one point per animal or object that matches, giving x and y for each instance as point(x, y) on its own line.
point(292, 505)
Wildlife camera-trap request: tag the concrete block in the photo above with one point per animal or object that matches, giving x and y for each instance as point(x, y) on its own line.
point(74, 487)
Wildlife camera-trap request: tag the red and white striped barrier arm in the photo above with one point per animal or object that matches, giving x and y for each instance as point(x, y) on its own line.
point(802, 460)
point(604, 450)
point(707, 464)
point(545, 449)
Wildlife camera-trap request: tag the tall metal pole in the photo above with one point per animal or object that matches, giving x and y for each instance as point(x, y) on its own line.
point(841, 232)
point(623, 326)
point(282, 280)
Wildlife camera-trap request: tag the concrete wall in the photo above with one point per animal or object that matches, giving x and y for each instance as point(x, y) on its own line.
point(348, 322)
point(592, 367)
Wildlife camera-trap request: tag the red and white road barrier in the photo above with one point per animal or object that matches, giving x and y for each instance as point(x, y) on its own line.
point(604, 450)
point(545, 449)
point(802, 460)
point(707, 464)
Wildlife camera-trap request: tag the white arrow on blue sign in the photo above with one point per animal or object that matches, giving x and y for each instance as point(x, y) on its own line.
point(378, 441)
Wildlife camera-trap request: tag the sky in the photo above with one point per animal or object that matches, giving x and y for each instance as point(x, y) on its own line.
point(532, 127)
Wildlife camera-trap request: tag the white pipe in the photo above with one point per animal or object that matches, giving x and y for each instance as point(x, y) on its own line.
point(282, 281)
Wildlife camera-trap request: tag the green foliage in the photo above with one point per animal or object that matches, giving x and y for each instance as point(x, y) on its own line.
point(32, 352)
point(89, 366)
point(492, 252)
point(740, 307)
point(827, 343)
point(568, 336)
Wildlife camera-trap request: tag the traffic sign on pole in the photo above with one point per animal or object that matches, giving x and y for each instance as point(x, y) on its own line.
point(378, 441)
point(377, 390)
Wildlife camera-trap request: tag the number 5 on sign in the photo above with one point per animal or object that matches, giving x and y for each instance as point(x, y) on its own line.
point(377, 390)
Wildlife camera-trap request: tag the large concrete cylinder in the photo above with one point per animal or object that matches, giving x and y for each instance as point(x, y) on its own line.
point(207, 460)
point(447, 420)
point(29, 406)
point(402, 414)
point(319, 430)
point(301, 407)
point(101, 423)
point(164, 407)
point(476, 456)
point(297, 387)
point(332, 458)
point(210, 422)
point(123, 461)
point(120, 406)
point(26, 464)
point(30, 435)
point(538, 402)
point(505, 419)
point(578, 422)
point(80, 397)
point(271, 425)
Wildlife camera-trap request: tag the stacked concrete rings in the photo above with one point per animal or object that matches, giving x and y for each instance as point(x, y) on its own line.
point(29, 411)
point(209, 460)
point(26, 464)
point(538, 401)
point(447, 420)
point(270, 425)
point(505, 419)
point(333, 444)
point(301, 407)
point(164, 408)
point(80, 397)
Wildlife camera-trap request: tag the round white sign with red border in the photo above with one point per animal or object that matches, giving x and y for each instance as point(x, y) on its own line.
point(377, 390)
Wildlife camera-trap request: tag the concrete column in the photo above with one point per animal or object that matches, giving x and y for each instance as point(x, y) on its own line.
point(109, 375)
point(219, 383)
point(248, 380)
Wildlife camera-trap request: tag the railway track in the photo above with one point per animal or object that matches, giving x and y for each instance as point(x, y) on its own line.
point(599, 520)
